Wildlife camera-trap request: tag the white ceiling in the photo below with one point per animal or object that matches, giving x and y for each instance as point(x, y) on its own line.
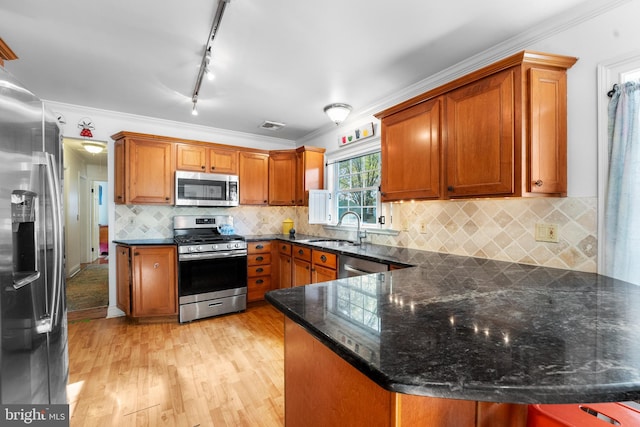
point(279, 60)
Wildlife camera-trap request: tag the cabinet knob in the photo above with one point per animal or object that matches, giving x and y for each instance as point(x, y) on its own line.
point(203, 167)
point(259, 281)
point(450, 188)
point(259, 270)
point(300, 251)
point(156, 265)
point(538, 183)
point(259, 247)
point(284, 247)
point(119, 197)
point(323, 258)
point(213, 167)
point(259, 258)
point(166, 198)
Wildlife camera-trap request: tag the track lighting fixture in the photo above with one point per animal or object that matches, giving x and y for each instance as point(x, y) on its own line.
point(205, 64)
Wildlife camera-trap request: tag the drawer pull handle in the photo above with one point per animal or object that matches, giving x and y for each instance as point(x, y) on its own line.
point(259, 258)
point(323, 258)
point(259, 247)
point(215, 304)
point(259, 281)
point(259, 270)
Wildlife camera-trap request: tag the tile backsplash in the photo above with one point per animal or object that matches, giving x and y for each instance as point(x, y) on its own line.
point(501, 229)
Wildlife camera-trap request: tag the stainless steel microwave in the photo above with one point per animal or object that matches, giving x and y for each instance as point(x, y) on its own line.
point(206, 189)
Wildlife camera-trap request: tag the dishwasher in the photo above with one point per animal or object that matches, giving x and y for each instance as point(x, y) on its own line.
point(351, 266)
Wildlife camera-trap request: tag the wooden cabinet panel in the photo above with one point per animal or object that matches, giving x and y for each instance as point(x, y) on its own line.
point(480, 137)
point(282, 178)
point(191, 157)
point(254, 178)
point(200, 158)
point(285, 273)
point(258, 270)
point(324, 259)
point(123, 279)
point(223, 161)
point(547, 145)
point(323, 274)
point(309, 173)
point(154, 279)
point(301, 252)
point(301, 272)
point(144, 170)
point(410, 149)
point(323, 266)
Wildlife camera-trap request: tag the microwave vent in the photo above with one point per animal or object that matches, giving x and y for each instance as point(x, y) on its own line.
point(269, 125)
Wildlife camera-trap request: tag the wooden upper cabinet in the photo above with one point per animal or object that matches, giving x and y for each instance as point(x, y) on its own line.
point(200, 158)
point(282, 178)
point(504, 133)
point(253, 178)
point(480, 140)
point(410, 148)
point(309, 173)
point(547, 142)
point(144, 170)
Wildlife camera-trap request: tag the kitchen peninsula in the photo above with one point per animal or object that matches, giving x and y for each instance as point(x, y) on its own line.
point(456, 341)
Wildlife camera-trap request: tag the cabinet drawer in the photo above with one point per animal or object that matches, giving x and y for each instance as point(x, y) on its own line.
point(301, 252)
point(325, 259)
point(258, 247)
point(258, 259)
point(258, 270)
point(257, 286)
point(284, 248)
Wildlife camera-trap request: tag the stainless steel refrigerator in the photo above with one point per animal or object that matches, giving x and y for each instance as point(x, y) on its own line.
point(33, 316)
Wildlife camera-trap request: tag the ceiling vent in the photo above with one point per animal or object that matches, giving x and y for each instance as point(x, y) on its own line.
point(269, 125)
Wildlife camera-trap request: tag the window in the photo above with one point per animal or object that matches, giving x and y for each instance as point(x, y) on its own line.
point(357, 182)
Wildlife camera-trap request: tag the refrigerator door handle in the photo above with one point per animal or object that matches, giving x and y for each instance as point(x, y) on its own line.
point(45, 324)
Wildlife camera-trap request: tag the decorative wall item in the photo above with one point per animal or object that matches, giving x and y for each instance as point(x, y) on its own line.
point(86, 126)
point(364, 131)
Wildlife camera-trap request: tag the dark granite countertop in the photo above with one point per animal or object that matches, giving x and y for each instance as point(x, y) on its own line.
point(476, 329)
point(143, 242)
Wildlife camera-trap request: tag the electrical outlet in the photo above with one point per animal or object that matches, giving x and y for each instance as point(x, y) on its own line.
point(265, 220)
point(547, 233)
point(423, 228)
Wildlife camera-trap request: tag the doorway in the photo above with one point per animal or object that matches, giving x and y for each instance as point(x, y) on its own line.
point(86, 267)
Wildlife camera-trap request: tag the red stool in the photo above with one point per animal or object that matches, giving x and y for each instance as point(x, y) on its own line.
point(583, 415)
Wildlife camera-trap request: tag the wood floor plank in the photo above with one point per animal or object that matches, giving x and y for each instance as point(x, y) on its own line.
point(223, 371)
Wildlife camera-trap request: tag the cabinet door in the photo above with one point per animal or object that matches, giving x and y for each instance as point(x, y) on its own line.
point(547, 166)
point(223, 161)
point(149, 172)
point(282, 179)
point(254, 178)
point(323, 274)
point(123, 279)
point(301, 272)
point(191, 157)
point(309, 174)
point(410, 149)
point(154, 280)
point(285, 271)
point(119, 187)
point(480, 120)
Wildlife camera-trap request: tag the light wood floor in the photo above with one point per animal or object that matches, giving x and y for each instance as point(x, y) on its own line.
point(223, 371)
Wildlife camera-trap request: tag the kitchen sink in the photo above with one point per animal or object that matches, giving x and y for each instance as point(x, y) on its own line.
point(329, 242)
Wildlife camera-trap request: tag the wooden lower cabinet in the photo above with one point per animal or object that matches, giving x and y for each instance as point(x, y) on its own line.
point(323, 266)
point(258, 270)
point(147, 280)
point(301, 268)
point(349, 398)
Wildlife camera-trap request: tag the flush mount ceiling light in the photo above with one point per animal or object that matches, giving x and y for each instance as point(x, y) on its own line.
point(94, 147)
point(205, 64)
point(337, 112)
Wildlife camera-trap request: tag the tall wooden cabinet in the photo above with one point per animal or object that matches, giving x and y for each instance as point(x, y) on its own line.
point(309, 173)
point(147, 280)
point(285, 272)
point(254, 178)
point(144, 170)
point(501, 131)
point(282, 178)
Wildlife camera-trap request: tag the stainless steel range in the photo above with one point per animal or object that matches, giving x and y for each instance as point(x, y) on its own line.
point(212, 267)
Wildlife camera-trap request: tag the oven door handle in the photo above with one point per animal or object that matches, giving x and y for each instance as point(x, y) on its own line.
point(211, 255)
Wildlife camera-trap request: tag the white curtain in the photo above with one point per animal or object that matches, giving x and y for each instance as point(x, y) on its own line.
point(622, 207)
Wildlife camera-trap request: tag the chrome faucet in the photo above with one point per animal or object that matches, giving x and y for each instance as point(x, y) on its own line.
point(359, 236)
